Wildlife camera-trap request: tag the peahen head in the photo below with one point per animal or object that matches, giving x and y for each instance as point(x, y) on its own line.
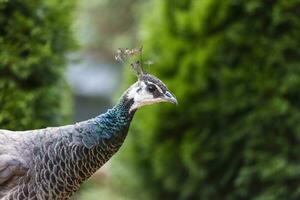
point(148, 89)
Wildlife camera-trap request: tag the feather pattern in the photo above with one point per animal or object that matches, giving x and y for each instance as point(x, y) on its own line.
point(51, 163)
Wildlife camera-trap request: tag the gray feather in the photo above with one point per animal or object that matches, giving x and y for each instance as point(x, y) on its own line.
point(51, 163)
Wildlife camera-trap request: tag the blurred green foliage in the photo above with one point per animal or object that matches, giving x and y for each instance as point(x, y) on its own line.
point(234, 66)
point(35, 36)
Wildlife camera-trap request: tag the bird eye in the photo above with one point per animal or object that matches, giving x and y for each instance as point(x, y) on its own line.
point(151, 88)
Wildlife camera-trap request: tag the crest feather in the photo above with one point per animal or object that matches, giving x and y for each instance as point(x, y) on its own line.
point(134, 57)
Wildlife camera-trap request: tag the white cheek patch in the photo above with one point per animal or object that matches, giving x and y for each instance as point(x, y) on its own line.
point(135, 90)
point(141, 96)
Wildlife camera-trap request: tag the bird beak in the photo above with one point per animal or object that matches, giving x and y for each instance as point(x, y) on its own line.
point(168, 97)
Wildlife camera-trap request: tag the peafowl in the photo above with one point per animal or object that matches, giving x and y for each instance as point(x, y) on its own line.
point(51, 163)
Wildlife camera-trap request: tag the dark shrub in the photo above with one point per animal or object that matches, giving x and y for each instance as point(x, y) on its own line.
point(35, 35)
point(235, 68)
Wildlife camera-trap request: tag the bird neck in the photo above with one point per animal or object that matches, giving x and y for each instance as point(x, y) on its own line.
point(125, 106)
point(116, 120)
point(111, 126)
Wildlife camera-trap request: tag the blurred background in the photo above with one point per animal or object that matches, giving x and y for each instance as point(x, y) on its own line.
point(234, 66)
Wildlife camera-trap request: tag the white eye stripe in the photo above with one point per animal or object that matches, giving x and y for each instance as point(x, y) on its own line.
point(158, 88)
